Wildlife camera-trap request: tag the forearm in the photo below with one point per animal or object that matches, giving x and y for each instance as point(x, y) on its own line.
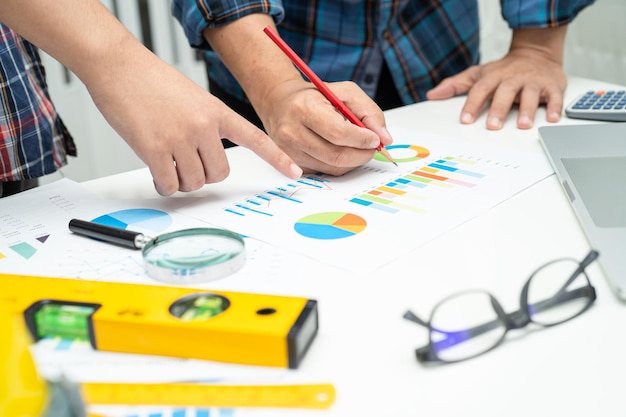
point(81, 34)
point(254, 60)
point(548, 42)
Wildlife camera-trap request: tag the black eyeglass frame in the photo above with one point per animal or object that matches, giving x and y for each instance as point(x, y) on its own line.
point(517, 319)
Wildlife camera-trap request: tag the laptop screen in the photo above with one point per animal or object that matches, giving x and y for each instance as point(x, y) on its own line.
point(595, 180)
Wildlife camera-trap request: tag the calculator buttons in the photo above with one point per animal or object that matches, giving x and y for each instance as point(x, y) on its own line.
point(599, 105)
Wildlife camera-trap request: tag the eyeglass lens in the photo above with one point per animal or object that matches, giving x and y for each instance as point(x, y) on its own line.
point(465, 325)
point(468, 324)
point(552, 298)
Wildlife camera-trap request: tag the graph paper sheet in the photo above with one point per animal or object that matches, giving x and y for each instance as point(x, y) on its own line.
point(378, 212)
point(35, 239)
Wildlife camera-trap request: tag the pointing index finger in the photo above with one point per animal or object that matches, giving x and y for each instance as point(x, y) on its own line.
point(249, 136)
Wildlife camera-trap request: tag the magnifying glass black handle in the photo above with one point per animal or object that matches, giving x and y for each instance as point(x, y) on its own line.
point(110, 234)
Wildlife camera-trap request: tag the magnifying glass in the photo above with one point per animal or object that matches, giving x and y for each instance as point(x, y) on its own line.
point(185, 256)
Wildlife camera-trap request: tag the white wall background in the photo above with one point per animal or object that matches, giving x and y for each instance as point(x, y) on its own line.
point(594, 49)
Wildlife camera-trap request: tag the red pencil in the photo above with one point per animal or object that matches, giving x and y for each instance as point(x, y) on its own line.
point(323, 88)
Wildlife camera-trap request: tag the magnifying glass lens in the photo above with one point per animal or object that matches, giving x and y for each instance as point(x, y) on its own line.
point(194, 255)
point(193, 251)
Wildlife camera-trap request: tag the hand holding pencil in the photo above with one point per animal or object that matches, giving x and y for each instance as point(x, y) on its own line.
point(321, 86)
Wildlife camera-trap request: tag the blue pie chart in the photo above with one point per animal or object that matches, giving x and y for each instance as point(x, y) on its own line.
point(144, 220)
point(330, 225)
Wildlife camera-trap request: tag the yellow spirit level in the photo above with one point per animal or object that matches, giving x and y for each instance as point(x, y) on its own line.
point(24, 393)
point(234, 327)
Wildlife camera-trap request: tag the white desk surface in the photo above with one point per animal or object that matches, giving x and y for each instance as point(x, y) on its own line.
point(365, 347)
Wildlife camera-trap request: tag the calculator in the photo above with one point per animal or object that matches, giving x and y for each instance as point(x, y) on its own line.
point(599, 105)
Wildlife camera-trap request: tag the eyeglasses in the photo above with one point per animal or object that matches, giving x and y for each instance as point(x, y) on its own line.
point(468, 324)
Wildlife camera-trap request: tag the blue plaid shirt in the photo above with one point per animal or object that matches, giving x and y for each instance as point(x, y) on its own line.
point(421, 41)
point(33, 140)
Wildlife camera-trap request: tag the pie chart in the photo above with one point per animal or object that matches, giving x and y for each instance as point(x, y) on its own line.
point(144, 220)
point(404, 153)
point(330, 225)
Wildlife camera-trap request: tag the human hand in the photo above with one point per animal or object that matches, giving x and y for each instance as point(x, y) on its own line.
point(530, 74)
point(176, 127)
point(171, 123)
point(308, 127)
point(296, 115)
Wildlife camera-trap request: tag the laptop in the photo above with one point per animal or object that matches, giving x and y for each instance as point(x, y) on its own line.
point(590, 163)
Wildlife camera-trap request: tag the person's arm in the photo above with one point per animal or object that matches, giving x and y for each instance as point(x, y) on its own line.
point(173, 125)
point(530, 74)
point(294, 113)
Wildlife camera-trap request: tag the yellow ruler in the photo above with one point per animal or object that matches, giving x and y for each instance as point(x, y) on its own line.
point(312, 396)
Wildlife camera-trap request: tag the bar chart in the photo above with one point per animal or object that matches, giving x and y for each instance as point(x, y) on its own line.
point(261, 204)
point(411, 191)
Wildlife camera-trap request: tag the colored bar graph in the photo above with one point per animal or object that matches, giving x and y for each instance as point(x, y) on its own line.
point(430, 179)
point(451, 168)
point(384, 204)
point(430, 169)
point(391, 190)
point(381, 194)
point(429, 175)
point(417, 183)
point(401, 185)
point(413, 191)
point(374, 205)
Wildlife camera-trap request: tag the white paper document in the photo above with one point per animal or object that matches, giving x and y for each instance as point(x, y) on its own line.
point(378, 212)
point(35, 240)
